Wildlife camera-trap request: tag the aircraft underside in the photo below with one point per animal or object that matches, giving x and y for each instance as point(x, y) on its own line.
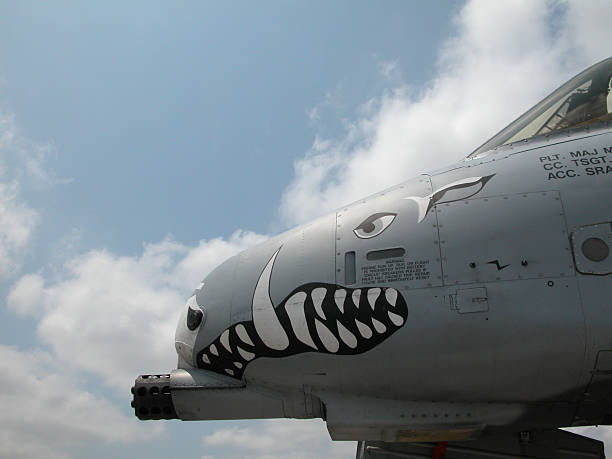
point(545, 444)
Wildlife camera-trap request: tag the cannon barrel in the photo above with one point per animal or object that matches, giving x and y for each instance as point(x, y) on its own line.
point(152, 398)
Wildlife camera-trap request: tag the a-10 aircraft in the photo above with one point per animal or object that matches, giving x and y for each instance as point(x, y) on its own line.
point(462, 313)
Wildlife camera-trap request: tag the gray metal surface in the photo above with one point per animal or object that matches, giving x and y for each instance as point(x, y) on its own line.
point(198, 394)
point(501, 238)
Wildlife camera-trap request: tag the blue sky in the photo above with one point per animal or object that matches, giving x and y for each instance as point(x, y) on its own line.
point(159, 108)
point(141, 143)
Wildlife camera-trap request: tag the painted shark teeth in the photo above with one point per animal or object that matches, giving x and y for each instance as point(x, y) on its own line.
point(397, 320)
point(297, 317)
point(339, 297)
point(246, 355)
point(225, 340)
point(391, 296)
point(373, 295)
point(346, 336)
point(299, 324)
point(265, 320)
point(364, 330)
point(356, 297)
point(327, 337)
point(317, 295)
point(379, 326)
point(243, 334)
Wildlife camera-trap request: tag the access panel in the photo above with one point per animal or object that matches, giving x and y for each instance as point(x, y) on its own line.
point(388, 239)
point(520, 236)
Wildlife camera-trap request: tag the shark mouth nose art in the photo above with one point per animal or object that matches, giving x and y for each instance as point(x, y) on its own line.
point(315, 317)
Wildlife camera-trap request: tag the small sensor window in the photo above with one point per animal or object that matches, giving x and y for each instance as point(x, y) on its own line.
point(385, 253)
point(595, 249)
point(350, 273)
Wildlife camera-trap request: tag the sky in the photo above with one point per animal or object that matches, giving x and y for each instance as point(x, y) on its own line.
point(142, 143)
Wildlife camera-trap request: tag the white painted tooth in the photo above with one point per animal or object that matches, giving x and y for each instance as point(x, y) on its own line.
point(265, 320)
point(229, 372)
point(373, 294)
point(356, 297)
point(213, 350)
point(396, 319)
point(246, 355)
point(297, 316)
point(225, 340)
point(205, 359)
point(317, 295)
point(365, 331)
point(346, 336)
point(243, 334)
point(391, 295)
point(339, 296)
point(327, 338)
point(238, 365)
point(378, 326)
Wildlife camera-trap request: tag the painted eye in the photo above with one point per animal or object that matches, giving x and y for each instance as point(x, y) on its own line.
point(374, 225)
point(196, 315)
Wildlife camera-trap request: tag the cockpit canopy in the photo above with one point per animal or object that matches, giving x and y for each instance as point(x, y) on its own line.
point(583, 100)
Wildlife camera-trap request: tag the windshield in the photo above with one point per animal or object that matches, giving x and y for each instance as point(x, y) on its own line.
point(583, 100)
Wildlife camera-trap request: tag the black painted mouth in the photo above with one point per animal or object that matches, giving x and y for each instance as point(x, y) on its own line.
point(316, 317)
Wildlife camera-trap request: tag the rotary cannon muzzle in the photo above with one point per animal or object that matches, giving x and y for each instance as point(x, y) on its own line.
point(194, 395)
point(152, 399)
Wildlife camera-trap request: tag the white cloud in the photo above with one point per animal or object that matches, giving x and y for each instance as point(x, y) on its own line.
point(278, 438)
point(17, 222)
point(389, 69)
point(115, 315)
point(26, 294)
point(502, 59)
point(586, 30)
point(45, 414)
point(21, 157)
point(207, 255)
point(21, 164)
point(331, 101)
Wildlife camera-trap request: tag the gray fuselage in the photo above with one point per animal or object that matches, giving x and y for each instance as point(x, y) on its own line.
point(505, 302)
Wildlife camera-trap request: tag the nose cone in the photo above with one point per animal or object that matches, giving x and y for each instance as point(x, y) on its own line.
point(191, 320)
